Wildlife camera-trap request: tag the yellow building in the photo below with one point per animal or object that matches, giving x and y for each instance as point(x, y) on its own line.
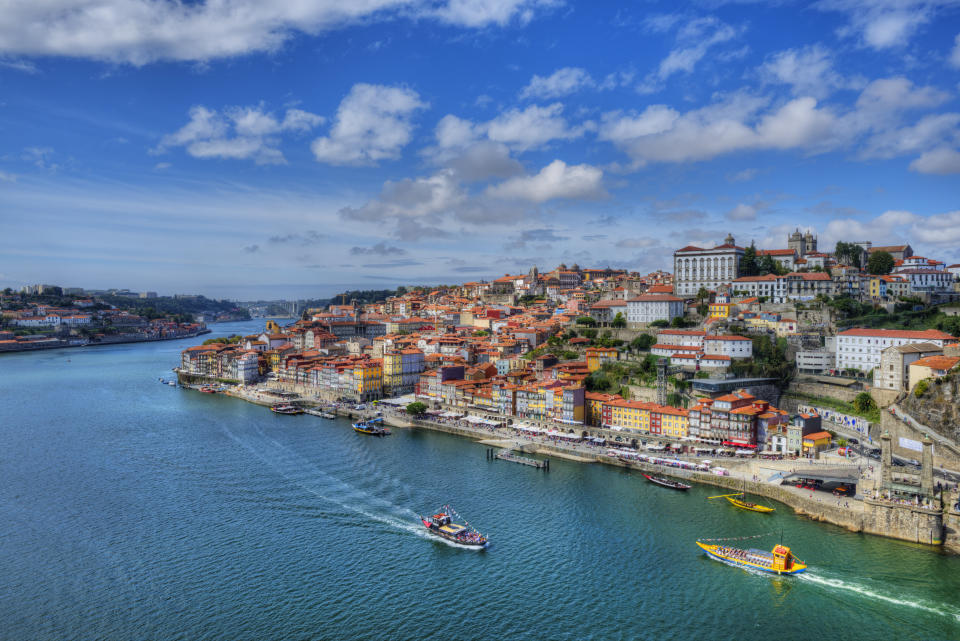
point(368, 379)
point(720, 310)
point(392, 368)
point(272, 327)
point(597, 356)
point(649, 418)
point(816, 441)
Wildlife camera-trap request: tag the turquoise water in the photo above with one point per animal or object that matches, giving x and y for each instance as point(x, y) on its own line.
point(133, 510)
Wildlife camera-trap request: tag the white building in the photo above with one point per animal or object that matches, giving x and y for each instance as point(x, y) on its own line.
point(732, 346)
point(928, 280)
point(696, 267)
point(685, 337)
point(786, 257)
point(653, 307)
point(861, 348)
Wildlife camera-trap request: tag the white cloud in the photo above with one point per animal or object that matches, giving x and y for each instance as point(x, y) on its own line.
point(411, 198)
point(743, 121)
point(742, 212)
point(19, 65)
point(556, 180)
point(484, 160)
point(518, 129)
point(372, 124)
point(478, 13)
point(885, 24)
point(809, 71)
point(237, 133)
point(694, 39)
point(955, 54)
point(532, 127)
point(733, 124)
point(561, 82)
point(144, 31)
point(6, 177)
point(941, 160)
point(743, 175)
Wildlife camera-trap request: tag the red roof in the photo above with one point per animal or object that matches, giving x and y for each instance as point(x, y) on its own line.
point(653, 298)
point(776, 252)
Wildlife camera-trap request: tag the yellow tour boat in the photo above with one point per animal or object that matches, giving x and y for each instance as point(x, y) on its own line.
point(744, 505)
point(778, 561)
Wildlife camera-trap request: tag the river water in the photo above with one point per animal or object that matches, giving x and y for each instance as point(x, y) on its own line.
point(134, 510)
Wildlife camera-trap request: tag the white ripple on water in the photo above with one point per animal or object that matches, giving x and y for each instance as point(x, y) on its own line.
point(839, 584)
point(344, 495)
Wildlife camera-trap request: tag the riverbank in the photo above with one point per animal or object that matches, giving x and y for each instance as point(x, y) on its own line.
point(864, 515)
point(880, 518)
point(60, 343)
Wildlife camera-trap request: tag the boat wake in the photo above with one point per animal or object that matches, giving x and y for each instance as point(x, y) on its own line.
point(281, 458)
point(839, 584)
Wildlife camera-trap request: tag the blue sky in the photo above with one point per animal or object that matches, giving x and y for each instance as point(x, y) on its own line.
point(240, 149)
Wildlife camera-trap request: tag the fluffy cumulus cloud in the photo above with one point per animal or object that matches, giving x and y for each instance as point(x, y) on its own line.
point(878, 125)
point(736, 123)
point(560, 83)
point(941, 160)
point(885, 24)
point(373, 123)
point(424, 197)
point(556, 180)
point(519, 129)
point(238, 133)
point(808, 70)
point(143, 31)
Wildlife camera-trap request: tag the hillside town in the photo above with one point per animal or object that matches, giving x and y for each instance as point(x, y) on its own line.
point(722, 353)
point(49, 316)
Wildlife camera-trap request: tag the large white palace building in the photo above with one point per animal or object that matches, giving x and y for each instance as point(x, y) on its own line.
point(696, 267)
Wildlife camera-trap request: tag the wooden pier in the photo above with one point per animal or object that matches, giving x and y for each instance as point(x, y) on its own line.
point(505, 455)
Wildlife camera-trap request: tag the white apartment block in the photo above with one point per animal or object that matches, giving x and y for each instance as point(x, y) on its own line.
point(696, 267)
point(732, 346)
point(684, 337)
point(653, 307)
point(862, 348)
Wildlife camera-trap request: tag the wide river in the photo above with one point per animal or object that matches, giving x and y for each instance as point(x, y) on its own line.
point(134, 510)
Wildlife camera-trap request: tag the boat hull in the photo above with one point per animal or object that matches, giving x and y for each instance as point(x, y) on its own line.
point(673, 485)
point(713, 552)
point(753, 507)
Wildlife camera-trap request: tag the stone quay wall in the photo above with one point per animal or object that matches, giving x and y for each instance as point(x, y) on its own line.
point(873, 517)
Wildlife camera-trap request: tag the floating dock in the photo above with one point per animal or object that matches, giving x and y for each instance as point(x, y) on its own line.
point(504, 455)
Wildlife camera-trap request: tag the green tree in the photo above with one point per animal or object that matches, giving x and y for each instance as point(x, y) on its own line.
point(619, 321)
point(921, 388)
point(748, 264)
point(864, 403)
point(416, 408)
point(880, 263)
point(703, 309)
point(678, 322)
point(643, 342)
point(703, 293)
point(659, 323)
point(586, 321)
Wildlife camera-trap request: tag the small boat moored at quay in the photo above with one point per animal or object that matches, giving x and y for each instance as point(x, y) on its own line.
point(778, 561)
point(373, 427)
point(441, 524)
point(673, 485)
point(286, 408)
point(744, 505)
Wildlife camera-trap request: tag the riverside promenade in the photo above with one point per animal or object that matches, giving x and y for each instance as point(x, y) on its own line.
point(863, 513)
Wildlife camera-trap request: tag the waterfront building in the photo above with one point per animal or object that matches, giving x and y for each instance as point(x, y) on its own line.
point(709, 268)
point(862, 348)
